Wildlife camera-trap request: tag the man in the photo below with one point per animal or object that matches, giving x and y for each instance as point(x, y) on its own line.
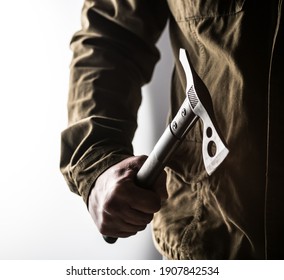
point(236, 49)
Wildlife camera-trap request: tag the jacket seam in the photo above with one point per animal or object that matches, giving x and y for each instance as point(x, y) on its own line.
point(193, 18)
point(187, 238)
point(200, 17)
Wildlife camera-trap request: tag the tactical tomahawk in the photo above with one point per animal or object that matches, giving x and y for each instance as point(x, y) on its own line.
point(197, 104)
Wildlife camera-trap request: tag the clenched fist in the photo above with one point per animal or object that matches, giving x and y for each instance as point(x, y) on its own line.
point(118, 206)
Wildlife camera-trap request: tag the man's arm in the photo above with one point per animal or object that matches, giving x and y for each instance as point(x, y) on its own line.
point(114, 55)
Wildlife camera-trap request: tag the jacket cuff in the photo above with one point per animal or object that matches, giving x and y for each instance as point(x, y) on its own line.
point(88, 170)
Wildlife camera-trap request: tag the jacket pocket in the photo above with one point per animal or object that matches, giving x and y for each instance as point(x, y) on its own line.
point(185, 10)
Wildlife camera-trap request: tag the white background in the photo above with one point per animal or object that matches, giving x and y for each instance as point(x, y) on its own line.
point(39, 217)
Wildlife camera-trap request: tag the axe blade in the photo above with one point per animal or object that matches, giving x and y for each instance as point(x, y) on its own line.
point(214, 150)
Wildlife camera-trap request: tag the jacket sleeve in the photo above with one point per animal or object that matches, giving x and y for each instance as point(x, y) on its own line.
point(114, 55)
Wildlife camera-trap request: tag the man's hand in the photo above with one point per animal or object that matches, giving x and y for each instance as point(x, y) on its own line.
point(118, 206)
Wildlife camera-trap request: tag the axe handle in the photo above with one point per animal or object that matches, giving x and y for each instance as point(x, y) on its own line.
point(164, 148)
point(156, 161)
point(166, 145)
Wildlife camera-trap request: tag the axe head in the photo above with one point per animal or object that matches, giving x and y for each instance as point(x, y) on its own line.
point(214, 150)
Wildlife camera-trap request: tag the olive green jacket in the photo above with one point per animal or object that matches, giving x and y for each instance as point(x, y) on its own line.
point(236, 48)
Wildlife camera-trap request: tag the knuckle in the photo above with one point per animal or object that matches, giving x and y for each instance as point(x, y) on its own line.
point(141, 228)
point(147, 219)
point(117, 173)
point(150, 218)
point(108, 206)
